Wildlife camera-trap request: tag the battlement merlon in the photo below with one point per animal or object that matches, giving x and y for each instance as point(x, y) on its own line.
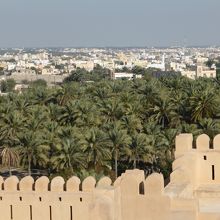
point(184, 143)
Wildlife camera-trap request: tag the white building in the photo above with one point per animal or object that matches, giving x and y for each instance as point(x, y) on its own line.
point(160, 66)
point(128, 76)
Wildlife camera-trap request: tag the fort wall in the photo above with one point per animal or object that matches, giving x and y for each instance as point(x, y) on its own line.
point(128, 198)
point(193, 192)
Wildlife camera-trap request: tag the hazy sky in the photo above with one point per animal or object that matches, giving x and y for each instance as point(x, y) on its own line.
point(42, 23)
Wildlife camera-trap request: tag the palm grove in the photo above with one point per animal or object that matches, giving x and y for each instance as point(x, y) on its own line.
point(105, 127)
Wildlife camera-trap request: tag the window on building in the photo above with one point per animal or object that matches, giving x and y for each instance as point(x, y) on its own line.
point(30, 212)
point(11, 210)
point(71, 213)
point(213, 172)
point(50, 212)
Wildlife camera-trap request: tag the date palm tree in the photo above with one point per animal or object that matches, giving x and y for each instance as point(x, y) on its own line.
point(11, 124)
point(9, 155)
point(33, 150)
point(203, 104)
point(168, 147)
point(210, 127)
point(68, 155)
point(69, 114)
point(88, 114)
point(42, 96)
point(66, 93)
point(139, 149)
point(132, 123)
point(164, 111)
point(22, 104)
point(102, 93)
point(96, 147)
point(119, 140)
point(111, 110)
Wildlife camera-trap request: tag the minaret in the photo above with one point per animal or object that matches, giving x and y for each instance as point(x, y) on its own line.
point(163, 62)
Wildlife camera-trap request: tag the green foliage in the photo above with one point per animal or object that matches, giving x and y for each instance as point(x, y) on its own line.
point(218, 74)
point(37, 70)
point(7, 85)
point(78, 75)
point(1, 71)
point(105, 127)
point(38, 83)
point(209, 63)
point(82, 75)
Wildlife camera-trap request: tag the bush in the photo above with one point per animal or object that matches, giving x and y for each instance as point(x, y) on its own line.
point(38, 83)
point(8, 85)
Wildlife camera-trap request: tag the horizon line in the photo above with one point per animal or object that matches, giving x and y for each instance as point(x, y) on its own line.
point(114, 47)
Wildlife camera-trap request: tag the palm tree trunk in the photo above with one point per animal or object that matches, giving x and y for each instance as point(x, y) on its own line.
point(70, 165)
point(72, 171)
point(29, 166)
point(10, 173)
point(116, 164)
point(173, 153)
point(94, 156)
point(135, 163)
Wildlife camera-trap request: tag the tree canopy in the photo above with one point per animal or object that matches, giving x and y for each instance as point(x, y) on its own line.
point(107, 126)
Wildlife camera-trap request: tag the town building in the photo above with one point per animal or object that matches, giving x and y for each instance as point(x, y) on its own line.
point(200, 71)
point(158, 64)
point(190, 62)
point(204, 71)
point(128, 76)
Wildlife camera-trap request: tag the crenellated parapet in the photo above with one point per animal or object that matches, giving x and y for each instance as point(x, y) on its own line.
point(134, 183)
point(128, 181)
point(57, 184)
point(185, 143)
point(196, 163)
point(142, 196)
point(57, 199)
